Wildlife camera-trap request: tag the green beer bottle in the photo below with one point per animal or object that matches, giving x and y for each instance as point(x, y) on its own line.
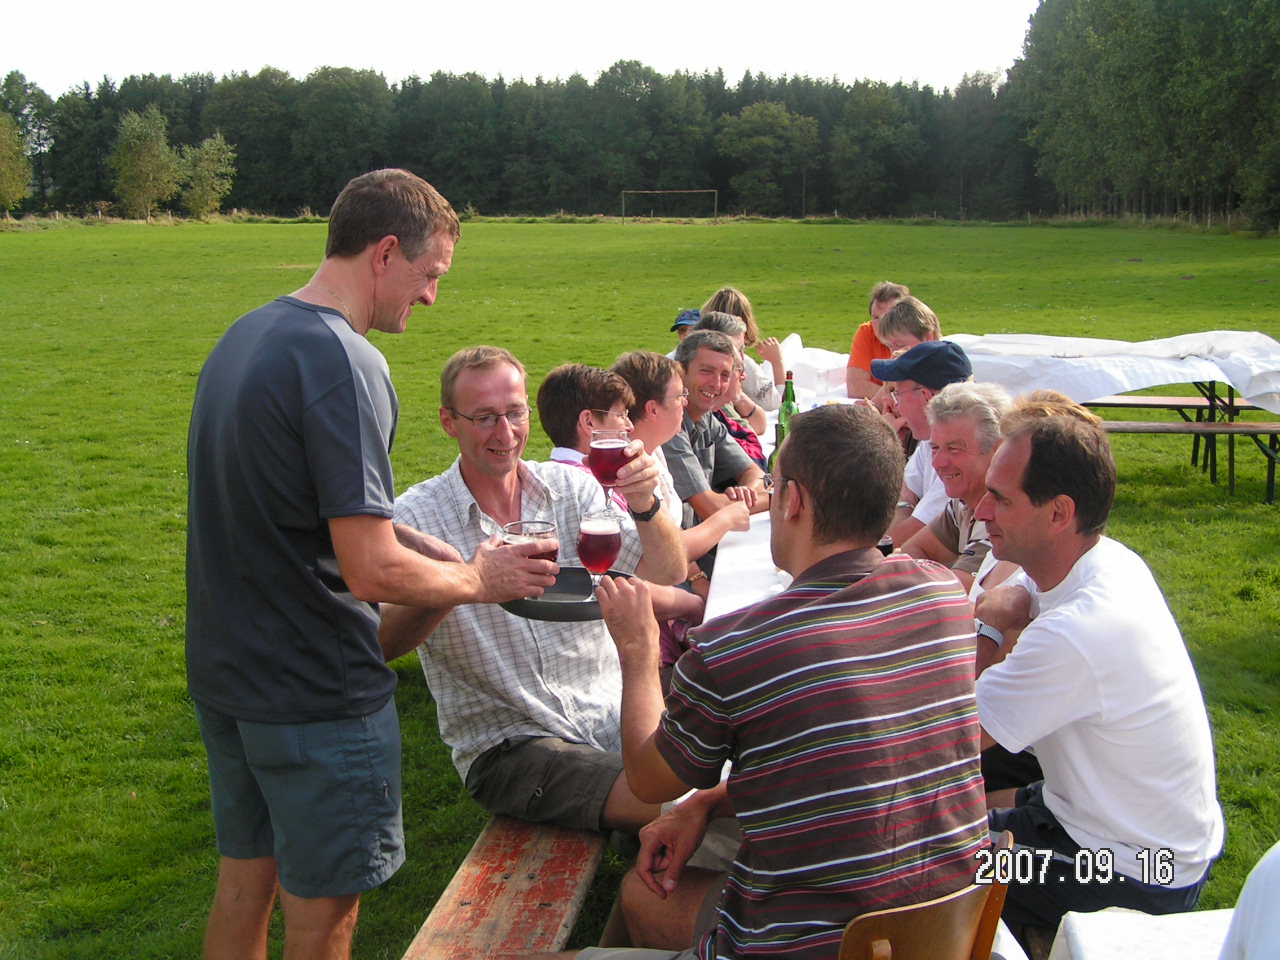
point(789, 406)
point(779, 434)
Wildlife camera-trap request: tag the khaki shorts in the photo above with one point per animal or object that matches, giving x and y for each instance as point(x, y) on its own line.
point(545, 780)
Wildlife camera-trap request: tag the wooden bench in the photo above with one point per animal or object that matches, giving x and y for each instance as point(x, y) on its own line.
point(1256, 430)
point(1209, 404)
point(519, 891)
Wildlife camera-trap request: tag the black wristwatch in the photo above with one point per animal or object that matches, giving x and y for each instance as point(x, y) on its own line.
point(651, 512)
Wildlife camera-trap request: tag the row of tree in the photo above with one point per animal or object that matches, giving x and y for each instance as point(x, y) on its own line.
point(1155, 106)
point(790, 146)
point(1117, 106)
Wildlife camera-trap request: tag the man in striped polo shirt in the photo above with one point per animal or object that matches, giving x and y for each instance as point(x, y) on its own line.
point(846, 705)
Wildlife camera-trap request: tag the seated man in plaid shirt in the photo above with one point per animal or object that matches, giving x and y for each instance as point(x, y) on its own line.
point(529, 708)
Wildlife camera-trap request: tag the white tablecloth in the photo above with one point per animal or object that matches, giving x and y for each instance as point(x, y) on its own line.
point(744, 570)
point(1083, 368)
point(1118, 934)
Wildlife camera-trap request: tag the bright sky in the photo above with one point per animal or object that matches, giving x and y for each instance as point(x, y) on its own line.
point(933, 41)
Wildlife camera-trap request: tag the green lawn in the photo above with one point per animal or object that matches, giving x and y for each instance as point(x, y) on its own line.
point(104, 828)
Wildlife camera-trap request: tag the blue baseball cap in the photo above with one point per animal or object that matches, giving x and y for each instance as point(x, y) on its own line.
point(687, 318)
point(933, 364)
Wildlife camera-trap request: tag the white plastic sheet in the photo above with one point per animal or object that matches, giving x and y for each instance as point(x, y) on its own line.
point(1083, 368)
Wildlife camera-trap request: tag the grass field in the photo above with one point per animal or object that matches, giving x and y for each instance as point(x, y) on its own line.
point(106, 842)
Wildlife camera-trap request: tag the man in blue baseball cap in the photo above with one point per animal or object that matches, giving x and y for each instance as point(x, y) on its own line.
point(686, 321)
point(916, 376)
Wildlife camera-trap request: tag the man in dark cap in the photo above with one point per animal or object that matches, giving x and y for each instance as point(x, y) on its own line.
point(916, 376)
point(686, 320)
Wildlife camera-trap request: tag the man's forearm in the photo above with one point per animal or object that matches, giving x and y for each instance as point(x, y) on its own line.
point(648, 772)
point(700, 538)
point(904, 529)
point(715, 801)
point(858, 382)
point(378, 569)
point(925, 545)
point(642, 702)
point(403, 629)
point(663, 559)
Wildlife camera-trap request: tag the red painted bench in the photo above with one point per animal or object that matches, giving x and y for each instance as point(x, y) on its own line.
point(519, 891)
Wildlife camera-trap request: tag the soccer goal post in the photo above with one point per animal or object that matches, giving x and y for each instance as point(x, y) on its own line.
point(715, 215)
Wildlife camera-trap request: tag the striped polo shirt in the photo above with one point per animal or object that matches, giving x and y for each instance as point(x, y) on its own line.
point(846, 705)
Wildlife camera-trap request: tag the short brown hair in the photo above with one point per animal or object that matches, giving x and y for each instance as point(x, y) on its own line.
point(472, 358)
point(850, 462)
point(885, 291)
point(734, 302)
point(1069, 457)
point(648, 374)
point(384, 203)
point(911, 317)
point(571, 388)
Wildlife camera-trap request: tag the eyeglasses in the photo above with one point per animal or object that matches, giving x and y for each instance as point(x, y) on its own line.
point(681, 397)
point(772, 483)
point(487, 421)
point(894, 391)
point(616, 415)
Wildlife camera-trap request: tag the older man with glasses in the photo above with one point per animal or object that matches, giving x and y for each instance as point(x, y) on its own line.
point(917, 376)
point(529, 708)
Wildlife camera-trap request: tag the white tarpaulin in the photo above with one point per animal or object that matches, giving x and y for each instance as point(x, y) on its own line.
point(1084, 368)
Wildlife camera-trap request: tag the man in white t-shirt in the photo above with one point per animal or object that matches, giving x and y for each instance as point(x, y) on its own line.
point(917, 376)
point(1096, 679)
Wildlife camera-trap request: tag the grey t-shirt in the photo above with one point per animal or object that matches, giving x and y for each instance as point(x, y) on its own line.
point(703, 456)
point(292, 425)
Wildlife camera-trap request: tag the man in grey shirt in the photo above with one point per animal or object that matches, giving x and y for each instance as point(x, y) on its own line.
point(290, 549)
point(708, 467)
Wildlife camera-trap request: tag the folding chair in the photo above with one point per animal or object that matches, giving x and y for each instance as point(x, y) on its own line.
point(959, 926)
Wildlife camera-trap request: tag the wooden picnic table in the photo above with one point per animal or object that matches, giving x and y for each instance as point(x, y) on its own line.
point(1208, 415)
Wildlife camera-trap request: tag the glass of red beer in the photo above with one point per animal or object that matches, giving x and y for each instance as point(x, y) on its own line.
point(599, 541)
point(527, 531)
point(606, 454)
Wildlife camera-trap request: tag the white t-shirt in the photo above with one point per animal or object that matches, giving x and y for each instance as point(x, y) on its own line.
point(1101, 685)
point(922, 480)
point(670, 501)
point(1254, 933)
point(759, 385)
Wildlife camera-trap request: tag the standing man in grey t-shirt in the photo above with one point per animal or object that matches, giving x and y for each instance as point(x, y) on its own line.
point(290, 549)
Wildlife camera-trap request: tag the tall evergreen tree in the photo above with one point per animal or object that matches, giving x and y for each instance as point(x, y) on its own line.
point(258, 115)
point(82, 131)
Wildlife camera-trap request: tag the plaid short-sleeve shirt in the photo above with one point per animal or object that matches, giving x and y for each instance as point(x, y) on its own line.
point(495, 675)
